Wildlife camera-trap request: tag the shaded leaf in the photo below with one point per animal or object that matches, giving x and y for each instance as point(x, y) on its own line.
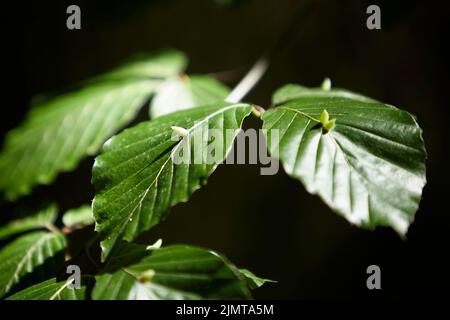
point(186, 92)
point(26, 253)
point(137, 179)
point(34, 221)
point(173, 272)
point(79, 216)
point(369, 167)
point(51, 289)
point(59, 132)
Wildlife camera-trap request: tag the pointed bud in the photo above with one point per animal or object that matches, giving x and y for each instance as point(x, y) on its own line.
point(147, 276)
point(155, 246)
point(329, 125)
point(182, 132)
point(324, 117)
point(326, 84)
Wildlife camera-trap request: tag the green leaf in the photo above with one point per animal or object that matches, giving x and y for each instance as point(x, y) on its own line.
point(370, 168)
point(26, 253)
point(79, 216)
point(253, 280)
point(186, 92)
point(160, 65)
point(294, 91)
point(173, 272)
point(137, 178)
point(51, 289)
point(37, 220)
point(59, 132)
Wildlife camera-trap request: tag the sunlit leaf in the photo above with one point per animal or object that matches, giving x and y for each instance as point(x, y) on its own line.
point(368, 165)
point(137, 179)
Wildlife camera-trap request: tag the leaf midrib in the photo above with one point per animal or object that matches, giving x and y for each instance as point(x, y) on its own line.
point(333, 139)
point(174, 150)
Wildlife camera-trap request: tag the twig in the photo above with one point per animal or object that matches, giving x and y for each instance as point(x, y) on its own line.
point(258, 70)
point(52, 228)
point(249, 81)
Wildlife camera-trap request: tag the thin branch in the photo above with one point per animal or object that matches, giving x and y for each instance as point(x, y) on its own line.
point(249, 81)
point(258, 70)
point(51, 227)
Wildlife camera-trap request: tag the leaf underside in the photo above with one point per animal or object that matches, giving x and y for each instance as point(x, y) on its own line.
point(136, 178)
point(370, 167)
point(175, 272)
point(59, 132)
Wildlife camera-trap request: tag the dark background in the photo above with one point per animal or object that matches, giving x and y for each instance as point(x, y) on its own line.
point(268, 224)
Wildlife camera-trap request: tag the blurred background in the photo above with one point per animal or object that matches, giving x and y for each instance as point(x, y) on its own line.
point(268, 224)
